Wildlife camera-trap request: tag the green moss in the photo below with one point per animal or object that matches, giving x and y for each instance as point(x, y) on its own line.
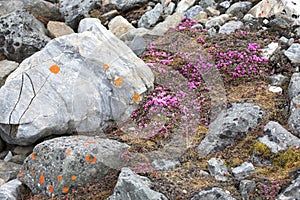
point(262, 150)
point(289, 158)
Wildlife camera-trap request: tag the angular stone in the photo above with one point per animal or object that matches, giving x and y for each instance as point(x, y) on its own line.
point(132, 186)
point(231, 27)
point(242, 171)
point(165, 165)
point(9, 170)
point(217, 21)
point(8, 157)
point(207, 3)
point(137, 45)
point(57, 29)
point(193, 11)
point(239, 8)
point(246, 188)
point(81, 82)
point(170, 8)
point(294, 86)
point(292, 192)
point(277, 79)
point(275, 89)
point(278, 138)
point(212, 11)
point(294, 119)
point(183, 5)
point(151, 17)
point(163, 27)
point(213, 194)
point(126, 5)
point(11, 190)
point(293, 53)
point(21, 35)
point(119, 26)
point(230, 125)
point(269, 50)
point(8, 6)
point(6, 68)
point(59, 164)
point(217, 169)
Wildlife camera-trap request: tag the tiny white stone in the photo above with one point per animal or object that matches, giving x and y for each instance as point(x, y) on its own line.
point(275, 89)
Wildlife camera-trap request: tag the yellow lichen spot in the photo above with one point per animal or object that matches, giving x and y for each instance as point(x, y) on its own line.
point(54, 69)
point(119, 82)
point(136, 97)
point(65, 189)
point(73, 178)
point(50, 188)
point(106, 66)
point(90, 159)
point(59, 177)
point(42, 178)
point(33, 156)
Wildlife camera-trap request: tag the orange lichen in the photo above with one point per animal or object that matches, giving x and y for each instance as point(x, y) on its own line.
point(73, 178)
point(32, 171)
point(33, 156)
point(297, 105)
point(119, 82)
point(89, 142)
point(90, 159)
point(50, 188)
point(106, 66)
point(59, 177)
point(21, 174)
point(54, 69)
point(136, 97)
point(65, 189)
point(68, 151)
point(42, 178)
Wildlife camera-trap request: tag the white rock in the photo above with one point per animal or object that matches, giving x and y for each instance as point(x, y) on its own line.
point(119, 26)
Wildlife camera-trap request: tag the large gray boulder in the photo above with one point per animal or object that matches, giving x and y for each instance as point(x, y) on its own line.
point(21, 35)
point(57, 165)
point(278, 138)
point(78, 83)
point(132, 186)
point(213, 194)
point(230, 125)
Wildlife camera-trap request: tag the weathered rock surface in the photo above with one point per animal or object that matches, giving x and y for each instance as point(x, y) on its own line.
point(183, 5)
point(132, 186)
point(242, 171)
point(291, 192)
point(21, 35)
point(246, 188)
point(217, 169)
point(294, 86)
point(8, 6)
point(119, 26)
point(269, 50)
point(6, 68)
point(231, 27)
point(277, 79)
point(11, 190)
point(9, 170)
point(193, 11)
point(230, 125)
point(59, 164)
point(79, 82)
point(217, 21)
point(293, 53)
point(151, 17)
point(278, 138)
point(213, 194)
point(57, 29)
point(126, 5)
point(164, 165)
point(294, 119)
point(239, 8)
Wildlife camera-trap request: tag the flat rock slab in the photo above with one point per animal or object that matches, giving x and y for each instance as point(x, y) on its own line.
point(293, 53)
point(57, 165)
point(81, 82)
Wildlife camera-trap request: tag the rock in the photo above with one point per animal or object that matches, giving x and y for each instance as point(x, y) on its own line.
point(19, 159)
point(183, 5)
point(201, 16)
point(3, 154)
point(294, 119)
point(275, 89)
point(8, 157)
point(283, 40)
point(278, 24)
point(297, 31)
point(277, 79)
point(163, 27)
point(132, 186)
point(2, 145)
point(230, 125)
point(213, 194)
point(212, 11)
point(57, 29)
point(239, 8)
point(293, 53)
point(165, 165)
point(267, 8)
point(67, 162)
point(119, 26)
point(107, 17)
point(248, 17)
point(2, 181)
point(137, 45)
point(217, 21)
point(292, 192)
point(169, 9)
point(21, 38)
point(125, 5)
point(11, 190)
point(224, 4)
point(217, 169)
point(43, 10)
point(294, 86)
point(9, 170)
point(278, 138)
point(73, 11)
point(23, 150)
point(269, 50)
point(246, 188)
point(151, 17)
point(204, 173)
point(6, 68)
point(207, 3)
point(132, 33)
point(8, 6)
point(231, 27)
point(242, 171)
point(212, 32)
point(70, 90)
point(193, 11)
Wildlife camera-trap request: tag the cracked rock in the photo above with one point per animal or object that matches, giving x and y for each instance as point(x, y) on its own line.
point(217, 169)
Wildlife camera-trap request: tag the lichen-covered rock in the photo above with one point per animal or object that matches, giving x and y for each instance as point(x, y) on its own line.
point(278, 138)
point(213, 194)
point(293, 53)
point(21, 35)
point(151, 17)
point(80, 82)
point(231, 27)
point(217, 169)
point(292, 192)
point(11, 190)
point(132, 186)
point(229, 126)
point(242, 171)
point(57, 165)
point(6, 67)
